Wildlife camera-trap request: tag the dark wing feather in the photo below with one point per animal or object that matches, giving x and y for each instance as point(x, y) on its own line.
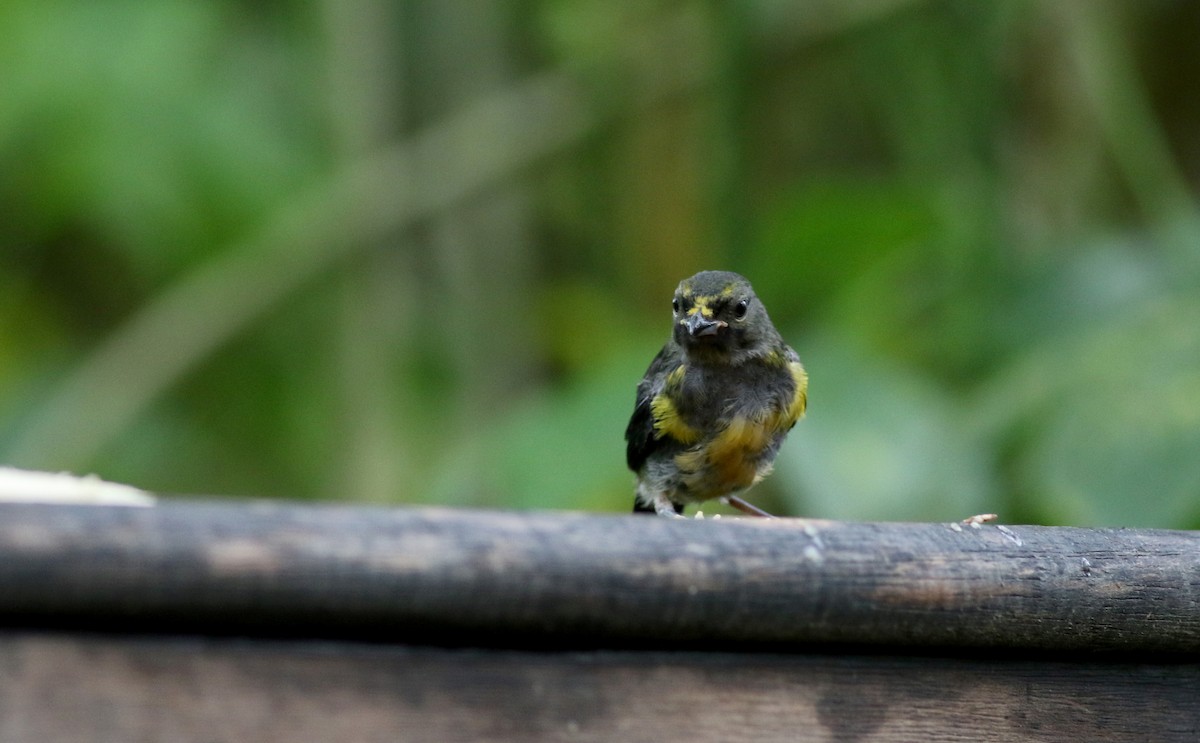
point(639, 434)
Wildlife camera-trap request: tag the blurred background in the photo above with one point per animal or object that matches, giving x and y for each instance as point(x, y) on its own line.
point(422, 251)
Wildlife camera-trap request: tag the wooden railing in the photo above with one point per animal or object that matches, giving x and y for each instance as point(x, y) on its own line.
point(227, 621)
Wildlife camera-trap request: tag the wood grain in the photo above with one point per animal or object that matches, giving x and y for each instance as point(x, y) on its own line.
point(104, 689)
point(425, 576)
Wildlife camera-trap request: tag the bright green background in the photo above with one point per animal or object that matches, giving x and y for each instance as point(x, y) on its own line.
point(421, 252)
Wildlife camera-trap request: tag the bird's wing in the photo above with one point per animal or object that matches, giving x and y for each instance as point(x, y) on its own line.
point(639, 434)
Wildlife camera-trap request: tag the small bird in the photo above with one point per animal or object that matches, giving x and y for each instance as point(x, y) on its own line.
point(716, 402)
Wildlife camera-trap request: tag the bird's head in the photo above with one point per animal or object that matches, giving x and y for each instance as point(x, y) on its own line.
point(719, 318)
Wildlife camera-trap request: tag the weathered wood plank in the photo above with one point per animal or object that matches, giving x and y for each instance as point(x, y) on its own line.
point(426, 576)
point(104, 689)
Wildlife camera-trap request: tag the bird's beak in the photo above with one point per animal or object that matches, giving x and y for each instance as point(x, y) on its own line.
point(699, 326)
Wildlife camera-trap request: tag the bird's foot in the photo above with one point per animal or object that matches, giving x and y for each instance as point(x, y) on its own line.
point(664, 507)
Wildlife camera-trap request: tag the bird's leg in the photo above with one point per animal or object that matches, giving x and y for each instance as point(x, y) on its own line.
point(664, 507)
point(745, 507)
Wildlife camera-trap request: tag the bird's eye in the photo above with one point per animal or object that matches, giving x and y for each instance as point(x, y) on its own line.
point(739, 309)
point(675, 304)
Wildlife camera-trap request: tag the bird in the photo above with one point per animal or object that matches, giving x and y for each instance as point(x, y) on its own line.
point(716, 402)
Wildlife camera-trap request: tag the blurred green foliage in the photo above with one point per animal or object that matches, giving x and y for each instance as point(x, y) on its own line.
point(422, 252)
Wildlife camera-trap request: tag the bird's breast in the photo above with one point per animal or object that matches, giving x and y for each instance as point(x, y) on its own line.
point(733, 458)
point(736, 447)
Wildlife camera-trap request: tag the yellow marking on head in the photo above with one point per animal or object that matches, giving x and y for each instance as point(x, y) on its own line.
point(727, 292)
point(668, 422)
point(702, 307)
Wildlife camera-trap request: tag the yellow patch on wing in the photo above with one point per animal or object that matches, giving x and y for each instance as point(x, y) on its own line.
point(795, 411)
point(667, 420)
point(675, 378)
